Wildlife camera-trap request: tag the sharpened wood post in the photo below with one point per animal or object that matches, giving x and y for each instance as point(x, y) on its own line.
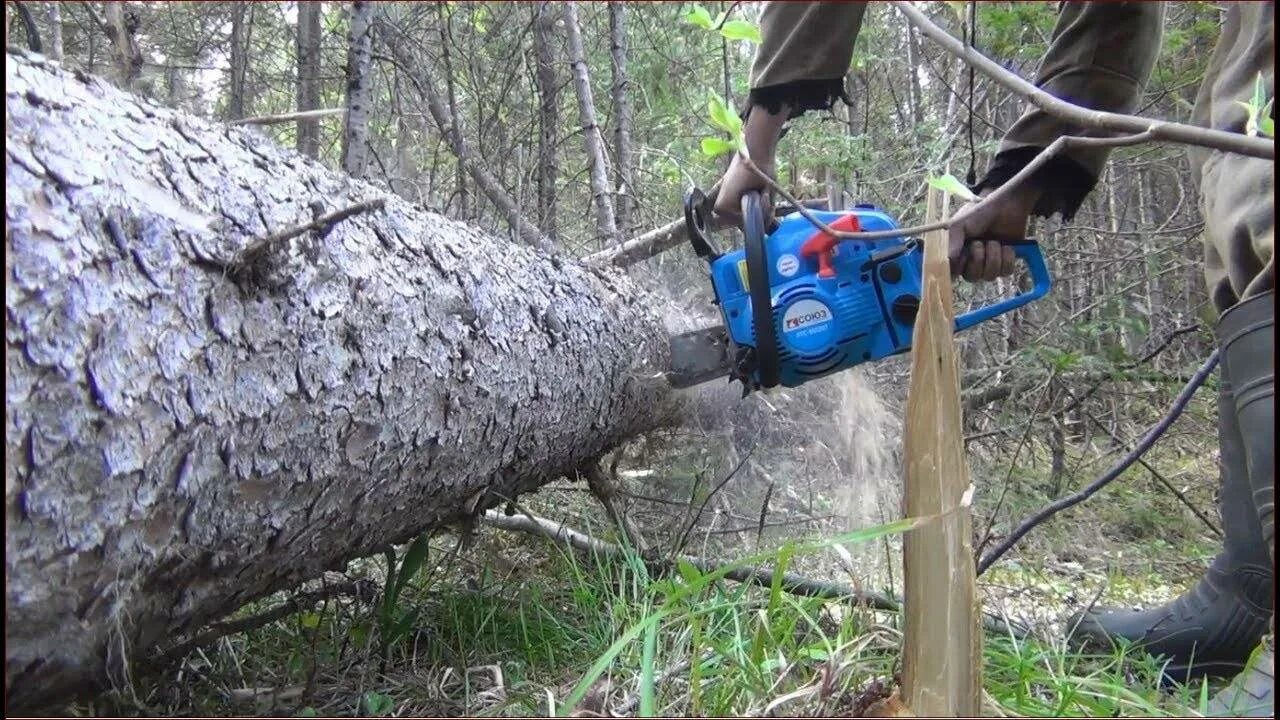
point(942, 638)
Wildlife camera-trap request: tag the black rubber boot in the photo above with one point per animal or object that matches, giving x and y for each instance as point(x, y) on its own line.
point(1247, 333)
point(1213, 628)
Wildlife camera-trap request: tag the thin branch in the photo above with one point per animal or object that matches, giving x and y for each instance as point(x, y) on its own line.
point(725, 17)
point(258, 246)
point(297, 603)
point(1123, 464)
point(1162, 346)
point(671, 235)
point(1055, 147)
point(604, 487)
point(420, 75)
point(647, 245)
point(1160, 478)
point(1158, 129)
point(794, 584)
point(684, 536)
point(790, 583)
point(289, 117)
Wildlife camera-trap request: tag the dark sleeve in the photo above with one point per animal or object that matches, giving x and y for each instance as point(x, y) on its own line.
point(1100, 57)
point(804, 54)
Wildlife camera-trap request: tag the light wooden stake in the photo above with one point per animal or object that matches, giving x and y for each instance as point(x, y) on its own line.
point(942, 644)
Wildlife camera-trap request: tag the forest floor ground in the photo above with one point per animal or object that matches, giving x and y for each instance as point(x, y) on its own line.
point(514, 625)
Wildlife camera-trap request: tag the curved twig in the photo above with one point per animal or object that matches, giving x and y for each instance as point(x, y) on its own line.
point(1123, 464)
point(1158, 129)
point(1055, 147)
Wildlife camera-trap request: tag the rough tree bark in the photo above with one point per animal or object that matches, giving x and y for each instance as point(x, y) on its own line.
point(548, 87)
point(308, 91)
point(605, 223)
point(355, 137)
point(621, 115)
point(182, 439)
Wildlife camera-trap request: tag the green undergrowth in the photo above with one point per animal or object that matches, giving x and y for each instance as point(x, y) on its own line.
point(515, 626)
point(549, 632)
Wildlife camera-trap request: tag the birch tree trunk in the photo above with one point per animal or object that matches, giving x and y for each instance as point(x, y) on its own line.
point(621, 115)
point(308, 46)
point(548, 89)
point(606, 226)
point(53, 13)
point(181, 439)
point(355, 136)
point(124, 48)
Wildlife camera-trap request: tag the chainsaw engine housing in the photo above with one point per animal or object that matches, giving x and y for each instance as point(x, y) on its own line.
point(861, 307)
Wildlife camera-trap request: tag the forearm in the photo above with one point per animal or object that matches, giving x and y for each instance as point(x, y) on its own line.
point(1100, 57)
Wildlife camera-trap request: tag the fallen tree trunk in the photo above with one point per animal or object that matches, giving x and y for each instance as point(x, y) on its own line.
point(188, 430)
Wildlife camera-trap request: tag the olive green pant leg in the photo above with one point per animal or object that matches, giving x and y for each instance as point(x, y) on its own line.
point(1237, 192)
point(805, 41)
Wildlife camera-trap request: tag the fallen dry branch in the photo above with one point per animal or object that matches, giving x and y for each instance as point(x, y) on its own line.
point(289, 117)
point(791, 583)
point(363, 590)
point(256, 249)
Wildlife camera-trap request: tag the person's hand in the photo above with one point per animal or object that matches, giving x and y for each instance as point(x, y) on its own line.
point(974, 238)
point(738, 180)
point(760, 133)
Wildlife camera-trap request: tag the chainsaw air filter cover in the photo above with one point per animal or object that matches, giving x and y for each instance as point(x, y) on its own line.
point(835, 304)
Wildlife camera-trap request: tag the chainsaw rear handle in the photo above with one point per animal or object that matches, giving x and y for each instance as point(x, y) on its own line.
point(1029, 251)
point(753, 234)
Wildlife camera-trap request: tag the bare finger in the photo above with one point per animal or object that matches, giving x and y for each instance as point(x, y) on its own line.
point(994, 257)
point(976, 263)
point(1010, 260)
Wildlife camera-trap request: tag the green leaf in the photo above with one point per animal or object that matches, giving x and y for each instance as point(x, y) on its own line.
point(402, 627)
point(715, 147)
point(411, 563)
point(307, 711)
point(1266, 124)
point(389, 586)
point(699, 16)
point(647, 670)
point(722, 117)
point(358, 634)
point(310, 620)
point(603, 662)
point(741, 30)
point(376, 704)
point(1259, 92)
point(950, 184)
point(1250, 125)
point(687, 570)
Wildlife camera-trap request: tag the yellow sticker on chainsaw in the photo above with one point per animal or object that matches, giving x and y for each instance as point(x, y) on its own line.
point(742, 274)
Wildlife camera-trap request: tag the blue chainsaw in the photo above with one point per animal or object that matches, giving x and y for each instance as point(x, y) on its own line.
point(799, 304)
